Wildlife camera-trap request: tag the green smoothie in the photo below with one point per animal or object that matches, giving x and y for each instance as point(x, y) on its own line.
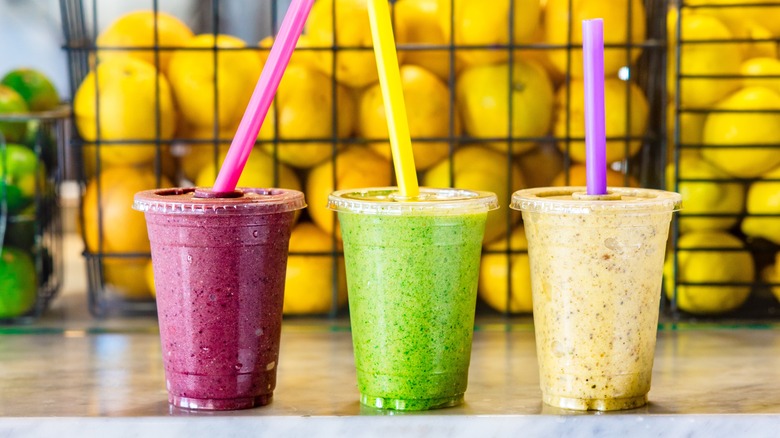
point(412, 276)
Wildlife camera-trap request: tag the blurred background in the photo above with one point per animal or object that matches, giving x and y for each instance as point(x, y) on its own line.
point(487, 112)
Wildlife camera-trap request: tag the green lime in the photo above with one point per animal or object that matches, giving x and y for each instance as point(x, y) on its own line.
point(20, 165)
point(17, 282)
point(35, 88)
point(12, 102)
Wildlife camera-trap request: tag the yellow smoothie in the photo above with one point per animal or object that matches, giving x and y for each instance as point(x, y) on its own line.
point(596, 271)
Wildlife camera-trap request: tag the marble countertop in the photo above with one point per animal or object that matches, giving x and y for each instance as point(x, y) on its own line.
point(72, 375)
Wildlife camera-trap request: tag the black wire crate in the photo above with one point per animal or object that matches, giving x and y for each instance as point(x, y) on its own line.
point(486, 112)
point(725, 78)
point(30, 221)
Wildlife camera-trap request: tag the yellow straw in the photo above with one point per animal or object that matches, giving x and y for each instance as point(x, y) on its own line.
point(392, 94)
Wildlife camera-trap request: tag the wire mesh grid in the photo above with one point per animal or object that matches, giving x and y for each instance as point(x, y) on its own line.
point(637, 87)
point(30, 221)
point(723, 257)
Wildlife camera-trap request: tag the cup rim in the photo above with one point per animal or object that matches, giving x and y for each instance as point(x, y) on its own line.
point(249, 200)
point(387, 201)
point(643, 200)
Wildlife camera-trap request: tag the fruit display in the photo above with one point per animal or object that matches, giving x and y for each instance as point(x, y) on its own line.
point(30, 117)
point(495, 101)
point(726, 156)
point(484, 100)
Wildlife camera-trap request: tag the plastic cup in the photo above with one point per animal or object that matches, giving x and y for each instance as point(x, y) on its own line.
point(596, 272)
point(219, 271)
point(412, 269)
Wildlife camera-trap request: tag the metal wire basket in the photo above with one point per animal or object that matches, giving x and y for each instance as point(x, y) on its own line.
point(644, 167)
point(30, 222)
point(738, 283)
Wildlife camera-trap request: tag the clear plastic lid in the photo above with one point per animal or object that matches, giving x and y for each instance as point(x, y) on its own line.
point(574, 200)
point(242, 201)
point(388, 201)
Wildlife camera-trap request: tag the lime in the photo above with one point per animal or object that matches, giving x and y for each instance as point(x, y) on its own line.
point(17, 282)
point(20, 165)
point(12, 103)
point(35, 88)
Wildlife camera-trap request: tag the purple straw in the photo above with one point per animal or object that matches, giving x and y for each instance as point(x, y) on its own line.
point(595, 119)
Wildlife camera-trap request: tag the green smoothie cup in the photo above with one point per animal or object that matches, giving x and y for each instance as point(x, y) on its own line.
point(412, 270)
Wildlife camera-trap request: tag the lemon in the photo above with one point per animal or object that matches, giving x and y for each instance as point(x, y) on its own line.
point(701, 59)
point(716, 197)
point(577, 177)
point(428, 111)
point(481, 168)
point(355, 167)
point(423, 27)
point(493, 275)
point(309, 283)
point(355, 68)
point(483, 95)
point(709, 267)
point(110, 226)
point(763, 197)
point(194, 78)
point(130, 95)
point(259, 171)
point(761, 66)
point(470, 22)
point(562, 24)
point(724, 129)
point(301, 56)
point(304, 110)
point(136, 30)
point(616, 93)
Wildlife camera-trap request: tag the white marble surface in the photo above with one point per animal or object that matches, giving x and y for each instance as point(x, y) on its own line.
point(71, 375)
point(96, 381)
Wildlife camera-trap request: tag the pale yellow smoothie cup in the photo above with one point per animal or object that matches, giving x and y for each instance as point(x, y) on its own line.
point(596, 273)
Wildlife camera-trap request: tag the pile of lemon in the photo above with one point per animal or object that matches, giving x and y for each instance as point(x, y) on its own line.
point(162, 113)
point(736, 172)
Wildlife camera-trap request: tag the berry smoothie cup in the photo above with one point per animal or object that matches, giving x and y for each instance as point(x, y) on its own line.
point(219, 271)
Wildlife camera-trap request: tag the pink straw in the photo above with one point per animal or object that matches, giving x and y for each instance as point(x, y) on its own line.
point(264, 93)
point(595, 119)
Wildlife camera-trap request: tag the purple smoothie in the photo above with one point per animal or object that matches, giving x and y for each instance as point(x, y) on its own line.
point(219, 270)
